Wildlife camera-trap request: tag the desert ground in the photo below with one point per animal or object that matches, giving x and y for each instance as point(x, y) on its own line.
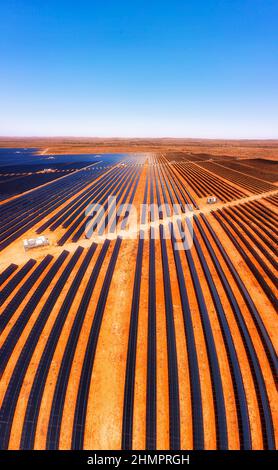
point(235, 148)
point(111, 337)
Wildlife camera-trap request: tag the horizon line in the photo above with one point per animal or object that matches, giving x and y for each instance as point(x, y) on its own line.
point(10, 137)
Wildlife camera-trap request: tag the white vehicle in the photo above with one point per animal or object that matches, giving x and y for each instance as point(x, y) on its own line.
point(35, 242)
point(46, 170)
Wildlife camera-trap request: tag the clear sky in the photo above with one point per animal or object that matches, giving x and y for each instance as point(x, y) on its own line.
point(181, 68)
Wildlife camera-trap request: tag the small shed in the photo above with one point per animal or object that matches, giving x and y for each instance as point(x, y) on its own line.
point(31, 243)
point(211, 200)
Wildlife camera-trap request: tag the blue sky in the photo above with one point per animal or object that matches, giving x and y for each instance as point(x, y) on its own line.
point(181, 68)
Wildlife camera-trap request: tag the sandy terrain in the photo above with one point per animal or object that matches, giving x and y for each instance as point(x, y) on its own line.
point(241, 148)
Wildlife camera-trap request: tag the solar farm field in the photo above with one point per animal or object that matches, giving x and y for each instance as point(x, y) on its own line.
point(150, 319)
